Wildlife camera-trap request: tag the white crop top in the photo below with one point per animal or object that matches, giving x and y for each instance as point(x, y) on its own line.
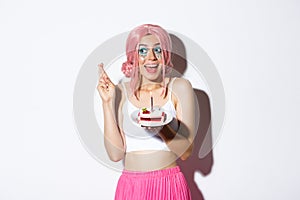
point(136, 137)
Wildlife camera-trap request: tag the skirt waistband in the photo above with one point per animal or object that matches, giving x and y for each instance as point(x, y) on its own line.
point(156, 173)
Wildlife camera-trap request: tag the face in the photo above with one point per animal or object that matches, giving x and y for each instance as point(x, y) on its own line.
point(150, 58)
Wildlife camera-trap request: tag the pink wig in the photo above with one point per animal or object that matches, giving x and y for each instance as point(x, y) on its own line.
point(130, 67)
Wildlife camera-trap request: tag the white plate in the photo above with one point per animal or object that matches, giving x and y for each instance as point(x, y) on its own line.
point(168, 119)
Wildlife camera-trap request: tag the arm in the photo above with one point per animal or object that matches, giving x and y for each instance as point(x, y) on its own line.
point(113, 139)
point(180, 141)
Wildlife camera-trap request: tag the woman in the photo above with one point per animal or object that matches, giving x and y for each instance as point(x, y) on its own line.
point(149, 153)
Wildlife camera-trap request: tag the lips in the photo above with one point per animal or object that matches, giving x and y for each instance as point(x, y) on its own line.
point(151, 68)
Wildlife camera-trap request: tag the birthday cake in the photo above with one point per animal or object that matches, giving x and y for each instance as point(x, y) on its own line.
point(148, 117)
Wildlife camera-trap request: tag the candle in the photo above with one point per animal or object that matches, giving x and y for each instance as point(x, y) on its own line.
point(151, 101)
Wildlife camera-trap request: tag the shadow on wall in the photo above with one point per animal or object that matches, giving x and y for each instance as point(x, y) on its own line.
point(195, 163)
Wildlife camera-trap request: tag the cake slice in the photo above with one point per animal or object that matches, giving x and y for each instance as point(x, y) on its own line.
point(146, 117)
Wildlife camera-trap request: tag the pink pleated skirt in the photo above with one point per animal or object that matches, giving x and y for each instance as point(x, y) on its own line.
point(166, 184)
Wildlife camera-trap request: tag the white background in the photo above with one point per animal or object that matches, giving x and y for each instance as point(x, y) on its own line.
point(254, 45)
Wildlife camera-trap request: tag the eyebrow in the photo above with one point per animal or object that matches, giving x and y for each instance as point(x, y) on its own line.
point(147, 45)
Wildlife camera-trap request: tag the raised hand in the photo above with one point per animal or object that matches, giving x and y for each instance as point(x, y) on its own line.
point(105, 87)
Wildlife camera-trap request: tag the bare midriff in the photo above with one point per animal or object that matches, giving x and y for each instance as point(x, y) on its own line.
point(149, 160)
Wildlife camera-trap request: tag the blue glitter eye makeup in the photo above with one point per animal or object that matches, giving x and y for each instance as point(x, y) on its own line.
point(157, 50)
point(143, 51)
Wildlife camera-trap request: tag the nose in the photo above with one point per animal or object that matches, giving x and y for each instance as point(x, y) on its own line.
point(151, 55)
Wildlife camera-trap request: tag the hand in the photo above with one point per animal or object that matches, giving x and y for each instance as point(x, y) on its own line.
point(165, 132)
point(105, 87)
point(168, 132)
point(151, 129)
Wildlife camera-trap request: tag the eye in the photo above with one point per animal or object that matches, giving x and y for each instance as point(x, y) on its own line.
point(157, 50)
point(143, 51)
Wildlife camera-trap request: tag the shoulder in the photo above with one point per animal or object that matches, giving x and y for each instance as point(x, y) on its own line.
point(122, 86)
point(123, 89)
point(181, 85)
point(182, 90)
point(120, 92)
point(119, 86)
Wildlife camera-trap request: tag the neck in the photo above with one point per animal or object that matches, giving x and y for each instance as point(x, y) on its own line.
point(150, 87)
point(151, 84)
